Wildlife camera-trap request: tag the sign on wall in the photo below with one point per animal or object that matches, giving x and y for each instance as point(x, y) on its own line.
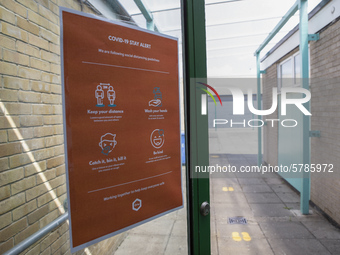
point(121, 123)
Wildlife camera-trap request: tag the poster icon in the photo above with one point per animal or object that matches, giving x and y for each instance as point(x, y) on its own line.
point(107, 143)
point(157, 101)
point(137, 204)
point(157, 138)
point(111, 95)
point(100, 95)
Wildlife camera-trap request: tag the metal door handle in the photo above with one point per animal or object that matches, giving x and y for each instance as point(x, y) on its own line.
point(205, 208)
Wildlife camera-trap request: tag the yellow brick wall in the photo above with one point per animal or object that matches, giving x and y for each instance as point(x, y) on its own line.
point(325, 90)
point(32, 170)
point(270, 142)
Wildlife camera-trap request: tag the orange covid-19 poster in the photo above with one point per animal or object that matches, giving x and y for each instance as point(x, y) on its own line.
point(122, 128)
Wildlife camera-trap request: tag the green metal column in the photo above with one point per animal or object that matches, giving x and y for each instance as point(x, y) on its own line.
point(303, 27)
point(150, 24)
point(259, 129)
point(193, 15)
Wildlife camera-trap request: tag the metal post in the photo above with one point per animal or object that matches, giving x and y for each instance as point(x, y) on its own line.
point(303, 29)
point(194, 51)
point(147, 15)
point(150, 25)
point(259, 129)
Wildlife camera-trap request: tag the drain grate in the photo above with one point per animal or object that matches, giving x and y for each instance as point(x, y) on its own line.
point(237, 220)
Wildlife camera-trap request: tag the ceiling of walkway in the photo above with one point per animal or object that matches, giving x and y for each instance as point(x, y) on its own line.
point(234, 29)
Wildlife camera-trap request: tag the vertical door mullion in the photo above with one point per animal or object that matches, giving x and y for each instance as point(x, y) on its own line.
point(194, 41)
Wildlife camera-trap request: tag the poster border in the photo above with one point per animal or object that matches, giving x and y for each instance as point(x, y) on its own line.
point(93, 16)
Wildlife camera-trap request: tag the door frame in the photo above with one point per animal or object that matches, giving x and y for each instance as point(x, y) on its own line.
point(196, 125)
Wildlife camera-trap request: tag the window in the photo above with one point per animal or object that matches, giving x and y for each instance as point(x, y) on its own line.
point(289, 72)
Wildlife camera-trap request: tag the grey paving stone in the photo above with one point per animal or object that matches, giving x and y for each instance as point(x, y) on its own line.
point(265, 198)
point(218, 188)
point(259, 188)
point(161, 226)
point(182, 213)
point(224, 211)
point(270, 210)
point(180, 228)
point(222, 175)
point(254, 247)
point(285, 230)
point(250, 175)
point(223, 181)
point(229, 198)
point(250, 181)
point(225, 230)
point(177, 245)
point(297, 247)
point(143, 245)
point(288, 197)
point(214, 249)
point(323, 230)
point(274, 180)
point(281, 188)
point(332, 245)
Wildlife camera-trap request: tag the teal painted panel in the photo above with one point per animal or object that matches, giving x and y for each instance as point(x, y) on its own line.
point(291, 142)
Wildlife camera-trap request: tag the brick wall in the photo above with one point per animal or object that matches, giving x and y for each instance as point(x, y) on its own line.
point(32, 171)
point(270, 134)
point(325, 90)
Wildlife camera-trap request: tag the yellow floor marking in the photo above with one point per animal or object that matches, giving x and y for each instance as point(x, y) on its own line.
point(246, 236)
point(236, 236)
point(215, 156)
point(228, 189)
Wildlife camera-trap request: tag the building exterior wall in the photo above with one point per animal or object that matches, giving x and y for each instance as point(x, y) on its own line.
point(325, 91)
point(270, 134)
point(32, 170)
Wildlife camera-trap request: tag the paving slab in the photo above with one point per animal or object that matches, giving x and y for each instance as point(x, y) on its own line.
point(288, 197)
point(332, 245)
point(275, 180)
point(258, 188)
point(224, 211)
point(281, 188)
point(297, 247)
point(177, 245)
point(213, 245)
point(225, 230)
point(180, 228)
point(251, 181)
point(263, 198)
point(229, 198)
point(323, 230)
point(285, 230)
point(143, 245)
point(156, 227)
point(270, 210)
point(219, 187)
point(254, 247)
